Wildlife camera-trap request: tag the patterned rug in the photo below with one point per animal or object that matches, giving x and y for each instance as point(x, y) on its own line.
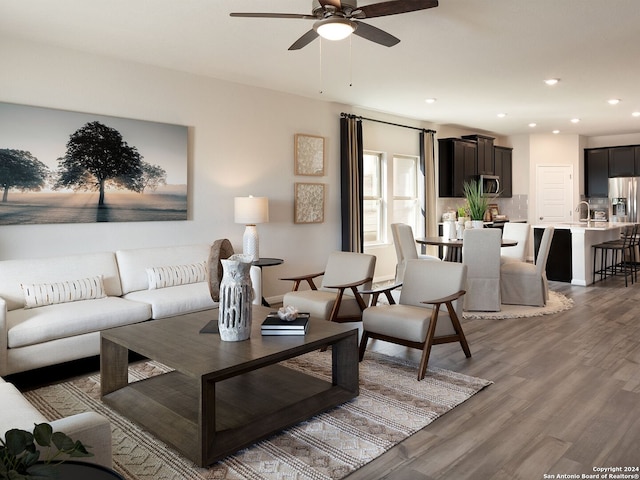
point(556, 303)
point(391, 406)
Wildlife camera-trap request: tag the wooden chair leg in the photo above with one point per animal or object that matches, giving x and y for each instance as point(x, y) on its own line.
point(455, 321)
point(363, 344)
point(428, 342)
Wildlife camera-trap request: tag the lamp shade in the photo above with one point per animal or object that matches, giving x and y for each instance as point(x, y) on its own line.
point(251, 210)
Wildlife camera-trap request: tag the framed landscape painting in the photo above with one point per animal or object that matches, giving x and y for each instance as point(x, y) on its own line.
point(67, 167)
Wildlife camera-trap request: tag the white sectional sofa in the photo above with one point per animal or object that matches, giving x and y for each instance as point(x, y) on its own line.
point(59, 332)
point(90, 428)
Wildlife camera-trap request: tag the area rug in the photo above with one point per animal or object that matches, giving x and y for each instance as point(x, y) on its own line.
point(391, 406)
point(557, 303)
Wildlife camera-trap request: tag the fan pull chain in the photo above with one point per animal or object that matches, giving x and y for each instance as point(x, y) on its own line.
point(321, 80)
point(350, 61)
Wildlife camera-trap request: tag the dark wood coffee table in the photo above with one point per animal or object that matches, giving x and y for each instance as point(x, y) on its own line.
point(223, 396)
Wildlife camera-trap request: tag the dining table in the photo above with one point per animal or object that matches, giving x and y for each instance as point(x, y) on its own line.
point(453, 252)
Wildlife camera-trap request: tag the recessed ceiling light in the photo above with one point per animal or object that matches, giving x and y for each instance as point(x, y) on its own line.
point(613, 101)
point(636, 114)
point(555, 132)
point(502, 115)
point(532, 124)
point(575, 120)
point(430, 100)
point(551, 81)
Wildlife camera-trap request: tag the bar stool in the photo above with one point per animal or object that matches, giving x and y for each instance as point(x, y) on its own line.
point(623, 256)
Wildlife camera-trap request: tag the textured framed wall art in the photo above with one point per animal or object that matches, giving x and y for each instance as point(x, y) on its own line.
point(67, 167)
point(309, 203)
point(309, 155)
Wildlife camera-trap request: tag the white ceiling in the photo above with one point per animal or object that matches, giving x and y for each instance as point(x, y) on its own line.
point(477, 57)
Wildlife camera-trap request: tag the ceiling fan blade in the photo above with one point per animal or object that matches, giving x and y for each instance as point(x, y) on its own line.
point(394, 7)
point(273, 15)
point(375, 35)
point(304, 40)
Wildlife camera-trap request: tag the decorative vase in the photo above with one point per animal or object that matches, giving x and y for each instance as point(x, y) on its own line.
point(236, 294)
point(477, 223)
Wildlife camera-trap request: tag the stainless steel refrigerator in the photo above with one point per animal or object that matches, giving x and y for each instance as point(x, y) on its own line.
point(624, 199)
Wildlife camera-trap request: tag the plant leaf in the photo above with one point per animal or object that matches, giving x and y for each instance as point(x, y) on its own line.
point(42, 433)
point(18, 441)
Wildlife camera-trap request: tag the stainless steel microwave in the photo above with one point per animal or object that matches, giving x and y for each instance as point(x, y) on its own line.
point(490, 184)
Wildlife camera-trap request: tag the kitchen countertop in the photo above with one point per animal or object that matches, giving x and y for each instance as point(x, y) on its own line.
point(579, 226)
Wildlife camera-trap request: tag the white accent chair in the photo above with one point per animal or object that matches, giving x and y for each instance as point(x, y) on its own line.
point(519, 232)
point(525, 283)
point(338, 298)
point(406, 248)
point(481, 255)
point(418, 321)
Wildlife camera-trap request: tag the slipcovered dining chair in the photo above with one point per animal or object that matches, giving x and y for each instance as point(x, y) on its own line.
point(520, 233)
point(419, 319)
point(481, 255)
point(338, 298)
point(523, 283)
point(406, 248)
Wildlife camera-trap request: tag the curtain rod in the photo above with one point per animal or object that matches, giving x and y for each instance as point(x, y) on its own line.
point(349, 115)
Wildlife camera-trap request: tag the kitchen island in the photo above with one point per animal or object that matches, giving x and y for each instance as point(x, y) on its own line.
point(571, 254)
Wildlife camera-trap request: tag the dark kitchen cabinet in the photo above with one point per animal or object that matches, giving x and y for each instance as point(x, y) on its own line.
point(485, 160)
point(622, 162)
point(456, 165)
point(596, 172)
point(503, 166)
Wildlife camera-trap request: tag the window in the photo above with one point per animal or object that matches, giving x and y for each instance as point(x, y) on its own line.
point(405, 191)
point(399, 183)
point(373, 200)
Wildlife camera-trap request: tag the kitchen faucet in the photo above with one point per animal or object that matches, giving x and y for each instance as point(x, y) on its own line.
point(588, 211)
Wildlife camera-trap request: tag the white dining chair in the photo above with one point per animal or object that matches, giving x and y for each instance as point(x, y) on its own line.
point(481, 255)
point(406, 248)
point(519, 232)
point(523, 283)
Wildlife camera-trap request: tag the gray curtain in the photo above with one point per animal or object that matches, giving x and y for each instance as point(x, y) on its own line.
point(351, 183)
point(428, 171)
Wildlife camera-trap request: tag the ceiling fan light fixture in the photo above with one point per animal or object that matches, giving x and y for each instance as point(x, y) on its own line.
point(335, 28)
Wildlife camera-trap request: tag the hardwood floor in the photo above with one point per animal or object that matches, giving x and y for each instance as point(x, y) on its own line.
point(566, 397)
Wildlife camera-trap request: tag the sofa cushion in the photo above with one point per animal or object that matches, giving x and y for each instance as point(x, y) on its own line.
point(16, 411)
point(133, 263)
point(172, 275)
point(41, 294)
point(177, 300)
point(37, 325)
point(14, 273)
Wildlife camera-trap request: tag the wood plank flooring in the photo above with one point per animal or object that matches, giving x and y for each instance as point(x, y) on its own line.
point(566, 396)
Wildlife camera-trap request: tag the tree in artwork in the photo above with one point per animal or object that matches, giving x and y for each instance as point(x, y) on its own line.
point(98, 156)
point(20, 169)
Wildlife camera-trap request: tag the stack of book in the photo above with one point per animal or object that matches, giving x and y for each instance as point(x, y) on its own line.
point(273, 325)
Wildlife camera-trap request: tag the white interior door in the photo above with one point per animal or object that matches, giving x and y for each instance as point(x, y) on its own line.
point(554, 193)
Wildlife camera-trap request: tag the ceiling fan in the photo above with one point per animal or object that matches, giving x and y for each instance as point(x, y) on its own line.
point(337, 19)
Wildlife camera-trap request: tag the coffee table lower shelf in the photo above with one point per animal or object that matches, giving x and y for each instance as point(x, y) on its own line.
point(248, 408)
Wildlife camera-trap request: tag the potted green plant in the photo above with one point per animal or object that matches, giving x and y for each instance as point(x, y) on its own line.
point(477, 203)
point(20, 458)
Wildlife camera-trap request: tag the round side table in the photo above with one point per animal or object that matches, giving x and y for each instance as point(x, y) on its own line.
point(267, 262)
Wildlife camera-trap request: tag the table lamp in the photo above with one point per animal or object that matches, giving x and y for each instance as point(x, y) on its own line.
point(251, 211)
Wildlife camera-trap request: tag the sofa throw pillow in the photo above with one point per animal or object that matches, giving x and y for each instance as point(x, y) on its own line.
point(172, 275)
point(41, 294)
